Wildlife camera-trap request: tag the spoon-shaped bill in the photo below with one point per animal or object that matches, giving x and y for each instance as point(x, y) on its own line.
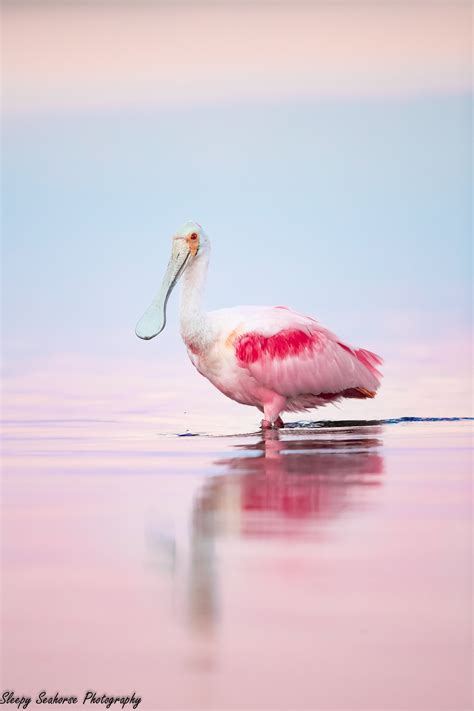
point(153, 320)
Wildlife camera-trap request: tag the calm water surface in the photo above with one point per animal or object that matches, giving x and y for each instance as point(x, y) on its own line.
point(307, 569)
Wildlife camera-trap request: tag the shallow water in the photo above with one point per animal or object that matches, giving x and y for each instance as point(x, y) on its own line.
point(318, 567)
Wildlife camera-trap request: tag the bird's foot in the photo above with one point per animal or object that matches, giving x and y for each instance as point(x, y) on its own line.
point(267, 425)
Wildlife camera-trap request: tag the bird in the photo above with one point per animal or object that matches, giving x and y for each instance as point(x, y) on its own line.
point(269, 357)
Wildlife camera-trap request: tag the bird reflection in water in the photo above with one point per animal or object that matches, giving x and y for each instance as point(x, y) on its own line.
point(280, 486)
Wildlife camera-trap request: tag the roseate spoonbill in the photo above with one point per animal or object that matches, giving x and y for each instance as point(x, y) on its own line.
point(268, 356)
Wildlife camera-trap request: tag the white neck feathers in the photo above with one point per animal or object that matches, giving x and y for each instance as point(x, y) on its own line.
point(192, 316)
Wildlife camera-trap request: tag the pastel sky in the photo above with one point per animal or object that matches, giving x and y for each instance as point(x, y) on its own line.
point(325, 148)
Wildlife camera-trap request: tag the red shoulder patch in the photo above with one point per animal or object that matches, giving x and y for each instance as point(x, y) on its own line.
point(250, 347)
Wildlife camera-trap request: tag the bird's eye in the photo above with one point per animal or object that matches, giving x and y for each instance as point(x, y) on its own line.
point(194, 236)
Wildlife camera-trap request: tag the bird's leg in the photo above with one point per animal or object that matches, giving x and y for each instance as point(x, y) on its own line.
point(271, 412)
point(267, 425)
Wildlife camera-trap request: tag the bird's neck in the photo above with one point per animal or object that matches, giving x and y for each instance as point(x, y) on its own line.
point(193, 320)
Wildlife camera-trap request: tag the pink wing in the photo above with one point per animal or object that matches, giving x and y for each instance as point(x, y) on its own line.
point(305, 362)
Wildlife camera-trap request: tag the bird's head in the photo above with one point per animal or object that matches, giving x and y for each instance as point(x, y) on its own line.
point(189, 244)
point(192, 236)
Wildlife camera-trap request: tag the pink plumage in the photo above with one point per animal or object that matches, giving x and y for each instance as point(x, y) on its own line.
point(253, 346)
point(279, 360)
point(267, 356)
